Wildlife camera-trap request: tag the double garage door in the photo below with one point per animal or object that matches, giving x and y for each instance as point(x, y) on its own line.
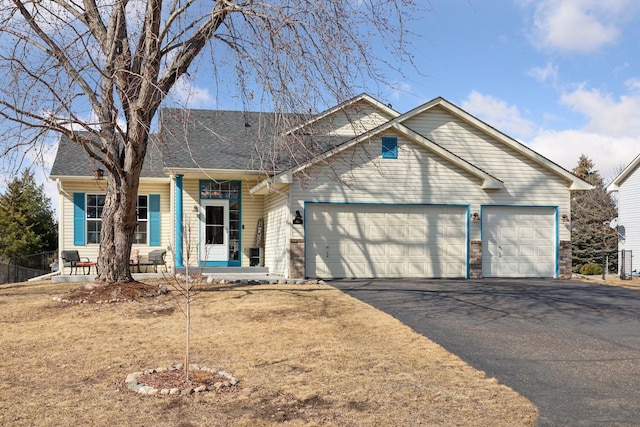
point(363, 241)
point(386, 241)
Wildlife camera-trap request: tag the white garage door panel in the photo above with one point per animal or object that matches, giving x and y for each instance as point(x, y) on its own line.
point(518, 242)
point(385, 241)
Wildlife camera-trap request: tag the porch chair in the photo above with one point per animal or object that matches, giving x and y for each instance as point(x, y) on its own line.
point(155, 258)
point(72, 259)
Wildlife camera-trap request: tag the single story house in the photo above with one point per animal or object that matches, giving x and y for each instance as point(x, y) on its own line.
point(627, 184)
point(357, 191)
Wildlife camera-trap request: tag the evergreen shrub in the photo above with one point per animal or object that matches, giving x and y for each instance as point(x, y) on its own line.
point(591, 269)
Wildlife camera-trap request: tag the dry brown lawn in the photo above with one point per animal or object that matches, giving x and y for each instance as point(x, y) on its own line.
point(305, 355)
point(614, 280)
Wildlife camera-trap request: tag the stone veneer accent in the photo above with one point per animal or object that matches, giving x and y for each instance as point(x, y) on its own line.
point(565, 259)
point(475, 259)
point(296, 258)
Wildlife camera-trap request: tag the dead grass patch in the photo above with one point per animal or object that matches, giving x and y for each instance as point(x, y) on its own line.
point(306, 355)
point(613, 280)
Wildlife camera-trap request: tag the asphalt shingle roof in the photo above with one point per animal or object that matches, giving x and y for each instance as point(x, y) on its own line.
point(219, 139)
point(212, 139)
point(72, 160)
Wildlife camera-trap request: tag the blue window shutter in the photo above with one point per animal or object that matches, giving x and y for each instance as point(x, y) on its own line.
point(78, 219)
point(389, 147)
point(154, 220)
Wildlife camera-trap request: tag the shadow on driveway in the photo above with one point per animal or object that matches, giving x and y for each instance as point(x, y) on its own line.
point(572, 348)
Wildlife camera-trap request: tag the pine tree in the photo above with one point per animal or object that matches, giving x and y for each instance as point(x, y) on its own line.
point(591, 213)
point(27, 224)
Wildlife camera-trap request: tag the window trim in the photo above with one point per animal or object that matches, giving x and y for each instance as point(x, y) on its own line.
point(98, 219)
point(146, 220)
point(389, 147)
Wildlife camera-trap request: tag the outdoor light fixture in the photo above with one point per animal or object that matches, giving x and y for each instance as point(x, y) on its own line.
point(565, 218)
point(298, 218)
point(195, 209)
point(98, 174)
point(475, 216)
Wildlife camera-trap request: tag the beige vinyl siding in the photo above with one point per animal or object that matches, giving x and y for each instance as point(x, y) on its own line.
point(359, 174)
point(276, 234)
point(526, 182)
point(352, 121)
point(628, 209)
point(99, 187)
point(191, 222)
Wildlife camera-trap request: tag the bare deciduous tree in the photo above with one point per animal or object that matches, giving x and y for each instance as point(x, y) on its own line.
point(105, 67)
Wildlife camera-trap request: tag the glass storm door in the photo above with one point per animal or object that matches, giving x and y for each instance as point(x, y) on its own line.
point(214, 231)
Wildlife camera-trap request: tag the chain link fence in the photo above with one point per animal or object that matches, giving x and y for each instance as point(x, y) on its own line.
point(21, 269)
point(626, 264)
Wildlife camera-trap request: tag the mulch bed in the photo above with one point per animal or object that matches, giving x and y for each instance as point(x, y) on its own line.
point(94, 293)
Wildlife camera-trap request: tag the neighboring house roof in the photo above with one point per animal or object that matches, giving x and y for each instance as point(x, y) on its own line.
point(617, 182)
point(73, 161)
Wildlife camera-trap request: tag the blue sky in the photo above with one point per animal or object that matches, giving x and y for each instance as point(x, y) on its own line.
point(561, 76)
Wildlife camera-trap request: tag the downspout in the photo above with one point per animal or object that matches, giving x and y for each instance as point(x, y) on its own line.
point(60, 225)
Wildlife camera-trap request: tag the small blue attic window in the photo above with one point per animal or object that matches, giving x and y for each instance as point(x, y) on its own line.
point(389, 147)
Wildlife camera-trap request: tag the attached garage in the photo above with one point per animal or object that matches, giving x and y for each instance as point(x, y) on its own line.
point(519, 241)
point(385, 241)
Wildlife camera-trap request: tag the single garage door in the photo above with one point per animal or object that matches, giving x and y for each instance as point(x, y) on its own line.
point(518, 242)
point(385, 241)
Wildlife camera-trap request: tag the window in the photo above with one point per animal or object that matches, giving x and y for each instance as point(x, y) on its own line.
point(220, 190)
point(389, 147)
point(142, 212)
point(95, 205)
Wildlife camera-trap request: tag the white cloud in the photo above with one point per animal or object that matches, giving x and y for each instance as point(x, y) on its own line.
point(546, 74)
point(188, 95)
point(607, 116)
point(579, 26)
point(633, 84)
point(499, 114)
point(609, 153)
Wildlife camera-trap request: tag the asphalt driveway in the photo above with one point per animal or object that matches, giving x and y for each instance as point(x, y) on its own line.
point(572, 348)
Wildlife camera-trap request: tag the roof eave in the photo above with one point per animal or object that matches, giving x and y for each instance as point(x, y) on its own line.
point(279, 182)
point(91, 178)
point(580, 185)
point(218, 171)
point(615, 185)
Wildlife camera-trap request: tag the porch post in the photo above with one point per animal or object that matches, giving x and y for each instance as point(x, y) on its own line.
point(179, 222)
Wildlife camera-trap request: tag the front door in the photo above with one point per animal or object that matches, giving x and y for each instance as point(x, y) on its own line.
point(214, 231)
